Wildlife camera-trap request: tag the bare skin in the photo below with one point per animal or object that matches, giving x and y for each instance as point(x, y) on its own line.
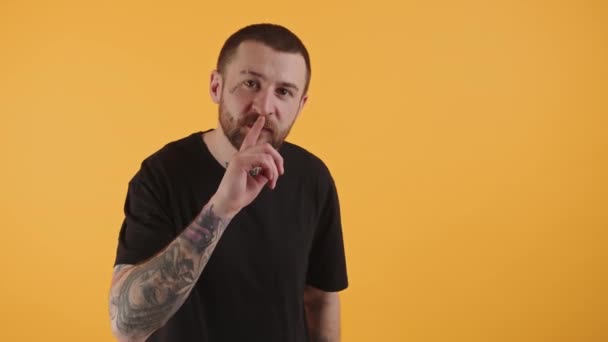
point(322, 314)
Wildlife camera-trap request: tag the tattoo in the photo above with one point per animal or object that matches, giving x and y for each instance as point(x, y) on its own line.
point(149, 293)
point(153, 291)
point(204, 231)
point(119, 268)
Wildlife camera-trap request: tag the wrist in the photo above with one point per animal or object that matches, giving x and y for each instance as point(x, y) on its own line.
point(221, 208)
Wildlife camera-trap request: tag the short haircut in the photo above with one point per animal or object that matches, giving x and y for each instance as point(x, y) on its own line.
point(274, 36)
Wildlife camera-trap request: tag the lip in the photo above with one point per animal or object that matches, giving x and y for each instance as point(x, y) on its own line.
point(263, 129)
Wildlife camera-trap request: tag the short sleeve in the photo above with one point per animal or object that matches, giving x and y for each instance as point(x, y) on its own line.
point(147, 228)
point(327, 261)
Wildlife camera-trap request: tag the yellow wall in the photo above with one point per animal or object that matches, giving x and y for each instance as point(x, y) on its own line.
point(467, 139)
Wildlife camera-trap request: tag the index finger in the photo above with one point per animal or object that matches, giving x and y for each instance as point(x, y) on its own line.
point(254, 133)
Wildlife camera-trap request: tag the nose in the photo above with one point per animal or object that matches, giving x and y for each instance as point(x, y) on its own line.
point(263, 103)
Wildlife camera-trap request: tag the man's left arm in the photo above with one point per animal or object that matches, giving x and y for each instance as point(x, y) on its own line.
point(322, 314)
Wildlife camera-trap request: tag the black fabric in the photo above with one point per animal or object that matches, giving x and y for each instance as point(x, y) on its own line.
point(252, 287)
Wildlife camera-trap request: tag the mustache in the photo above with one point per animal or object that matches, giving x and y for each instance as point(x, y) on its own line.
point(250, 119)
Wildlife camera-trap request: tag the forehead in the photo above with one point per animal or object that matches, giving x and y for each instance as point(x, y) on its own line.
point(275, 65)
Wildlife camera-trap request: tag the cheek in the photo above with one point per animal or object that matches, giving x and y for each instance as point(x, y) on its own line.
point(236, 98)
point(240, 94)
point(241, 104)
point(288, 111)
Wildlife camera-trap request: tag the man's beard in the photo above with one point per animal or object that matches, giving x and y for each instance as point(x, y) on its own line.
point(236, 131)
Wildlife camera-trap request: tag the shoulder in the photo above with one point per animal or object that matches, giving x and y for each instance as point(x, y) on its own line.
point(304, 161)
point(177, 149)
point(308, 169)
point(172, 155)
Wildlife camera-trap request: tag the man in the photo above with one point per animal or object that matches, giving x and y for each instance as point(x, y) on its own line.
point(233, 234)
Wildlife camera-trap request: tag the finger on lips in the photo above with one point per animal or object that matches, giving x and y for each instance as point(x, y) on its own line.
point(250, 141)
point(268, 162)
point(254, 133)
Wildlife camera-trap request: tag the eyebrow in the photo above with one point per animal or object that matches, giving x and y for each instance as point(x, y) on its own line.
point(257, 74)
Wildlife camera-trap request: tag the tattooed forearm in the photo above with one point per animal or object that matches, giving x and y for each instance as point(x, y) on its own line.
point(204, 231)
point(152, 292)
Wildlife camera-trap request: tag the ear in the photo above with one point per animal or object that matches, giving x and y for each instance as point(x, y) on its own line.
point(215, 86)
point(301, 105)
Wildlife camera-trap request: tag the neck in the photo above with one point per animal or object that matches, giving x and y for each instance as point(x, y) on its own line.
point(219, 146)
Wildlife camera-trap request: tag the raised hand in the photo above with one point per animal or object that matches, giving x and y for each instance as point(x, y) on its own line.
point(240, 186)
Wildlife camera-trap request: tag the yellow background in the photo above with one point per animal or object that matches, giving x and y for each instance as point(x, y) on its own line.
point(467, 139)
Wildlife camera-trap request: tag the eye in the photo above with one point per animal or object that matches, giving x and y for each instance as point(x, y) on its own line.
point(252, 84)
point(284, 92)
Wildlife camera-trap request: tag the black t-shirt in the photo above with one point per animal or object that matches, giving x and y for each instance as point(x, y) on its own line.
point(252, 286)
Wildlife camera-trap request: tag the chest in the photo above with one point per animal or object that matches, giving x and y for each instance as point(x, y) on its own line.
point(269, 241)
point(271, 237)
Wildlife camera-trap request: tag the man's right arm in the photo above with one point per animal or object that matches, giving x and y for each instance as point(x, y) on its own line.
point(143, 297)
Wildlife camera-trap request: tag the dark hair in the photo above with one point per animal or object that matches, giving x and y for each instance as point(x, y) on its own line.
point(274, 36)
